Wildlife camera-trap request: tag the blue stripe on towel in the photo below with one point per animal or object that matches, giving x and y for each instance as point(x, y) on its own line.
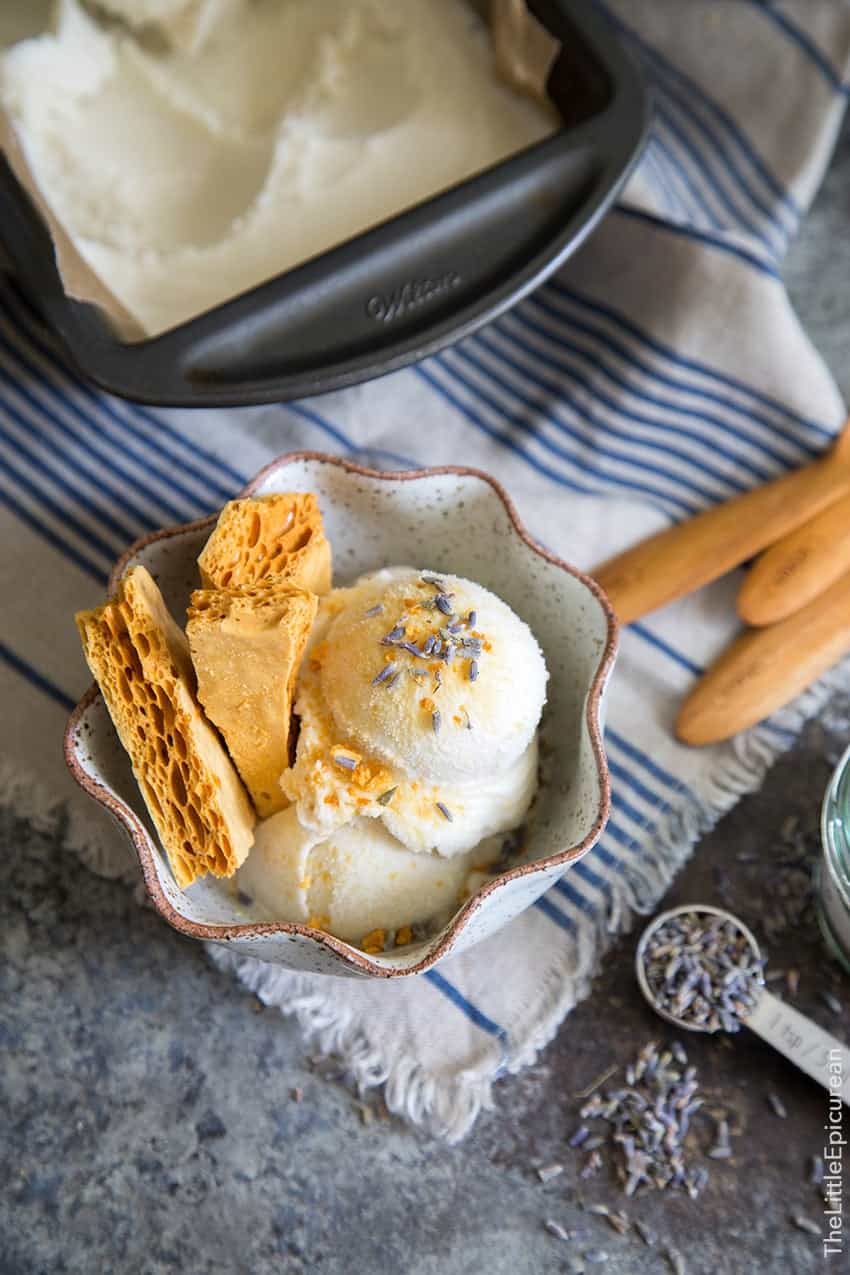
point(701, 236)
point(676, 359)
point(631, 750)
point(354, 449)
point(37, 490)
point(157, 436)
point(587, 435)
point(747, 420)
point(506, 331)
point(113, 455)
point(472, 1012)
point(34, 677)
point(699, 209)
point(506, 441)
point(798, 36)
point(709, 188)
point(575, 896)
point(668, 500)
point(719, 128)
point(57, 542)
point(659, 643)
point(545, 905)
point(62, 477)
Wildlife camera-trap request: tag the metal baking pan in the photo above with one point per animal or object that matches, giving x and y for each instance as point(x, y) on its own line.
point(395, 294)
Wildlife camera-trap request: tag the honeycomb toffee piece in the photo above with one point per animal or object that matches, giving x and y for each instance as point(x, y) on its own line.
point(276, 535)
point(140, 659)
point(246, 645)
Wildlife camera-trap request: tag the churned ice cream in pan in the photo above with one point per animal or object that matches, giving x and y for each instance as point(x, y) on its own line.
point(194, 148)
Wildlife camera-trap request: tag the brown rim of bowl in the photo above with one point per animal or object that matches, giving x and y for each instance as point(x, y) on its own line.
point(141, 839)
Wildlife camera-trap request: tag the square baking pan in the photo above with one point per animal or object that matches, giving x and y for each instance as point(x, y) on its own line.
point(400, 291)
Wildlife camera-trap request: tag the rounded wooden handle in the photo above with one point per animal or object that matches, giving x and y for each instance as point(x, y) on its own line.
point(764, 669)
point(798, 567)
point(693, 553)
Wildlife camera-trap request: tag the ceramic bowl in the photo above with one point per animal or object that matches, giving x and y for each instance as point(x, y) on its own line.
point(374, 519)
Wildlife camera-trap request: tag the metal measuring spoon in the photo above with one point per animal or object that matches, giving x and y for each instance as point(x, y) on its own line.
point(815, 1051)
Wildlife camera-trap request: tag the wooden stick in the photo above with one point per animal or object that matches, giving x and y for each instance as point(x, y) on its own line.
point(693, 553)
point(764, 669)
point(798, 567)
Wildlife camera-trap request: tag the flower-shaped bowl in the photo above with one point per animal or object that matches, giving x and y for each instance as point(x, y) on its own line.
point(451, 519)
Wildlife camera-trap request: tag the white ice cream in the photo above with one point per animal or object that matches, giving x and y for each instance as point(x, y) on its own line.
point(195, 149)
point(445, 752)
point(358, 880)
point(412, 764)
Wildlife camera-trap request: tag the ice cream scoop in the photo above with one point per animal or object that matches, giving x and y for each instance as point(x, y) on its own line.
point(358, 880)
point(438, 676)
point(419, 702)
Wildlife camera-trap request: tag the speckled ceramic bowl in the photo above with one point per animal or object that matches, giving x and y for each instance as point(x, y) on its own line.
point(374, 519)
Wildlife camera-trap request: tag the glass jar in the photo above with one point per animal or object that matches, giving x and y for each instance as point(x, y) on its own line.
point(833, 878)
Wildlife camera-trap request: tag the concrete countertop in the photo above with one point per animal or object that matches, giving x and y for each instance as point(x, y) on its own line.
point(154, 1117)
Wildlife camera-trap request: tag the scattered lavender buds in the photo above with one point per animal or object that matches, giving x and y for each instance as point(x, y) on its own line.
point(444, 811)
point(775, 892)
point(815, 1171)
point(348, 761)
point(777, 1105)
point(648, 1119)
point(443, 604)
point(646, 1233)
point(473, 670)
point(386, 797)
point(722, 1149)
point(805, 1224)
point(550, 1171)
point(375, 610)
point(700, 969)
point(832, 1003)
point(386, 672)
point(436, 720)
point(471, 619)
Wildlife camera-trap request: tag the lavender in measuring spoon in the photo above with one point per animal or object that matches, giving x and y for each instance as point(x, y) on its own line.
point(701, 969)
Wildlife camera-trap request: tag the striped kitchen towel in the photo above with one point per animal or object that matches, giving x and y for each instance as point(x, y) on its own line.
point(661, 371)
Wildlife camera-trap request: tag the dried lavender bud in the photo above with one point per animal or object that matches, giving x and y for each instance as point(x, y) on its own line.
point(778, 1105)
point(645, 1232)
point(804, 1224)
point(832, 1003)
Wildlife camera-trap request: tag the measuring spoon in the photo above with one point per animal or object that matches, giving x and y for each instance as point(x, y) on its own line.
point(816, 1052)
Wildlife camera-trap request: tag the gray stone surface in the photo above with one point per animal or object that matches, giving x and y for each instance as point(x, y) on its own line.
point(154, 1118)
